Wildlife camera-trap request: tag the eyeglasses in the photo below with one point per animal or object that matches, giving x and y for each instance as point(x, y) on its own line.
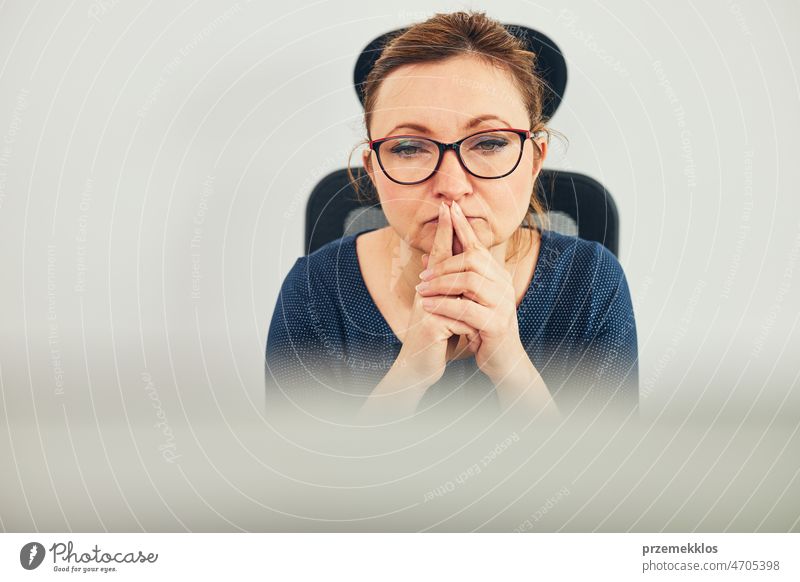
point(490, 154)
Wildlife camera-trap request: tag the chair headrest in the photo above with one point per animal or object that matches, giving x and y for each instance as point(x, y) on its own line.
point(550, 63)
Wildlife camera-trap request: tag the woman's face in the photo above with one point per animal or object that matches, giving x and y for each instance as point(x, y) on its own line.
point(447, 101)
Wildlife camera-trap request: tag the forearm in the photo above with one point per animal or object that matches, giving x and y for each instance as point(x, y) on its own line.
point(522, 392)
point(395, 397)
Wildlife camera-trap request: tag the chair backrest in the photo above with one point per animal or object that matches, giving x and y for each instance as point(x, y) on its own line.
point(577, 205)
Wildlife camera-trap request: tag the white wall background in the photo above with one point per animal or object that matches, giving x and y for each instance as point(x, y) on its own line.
point(130, 128)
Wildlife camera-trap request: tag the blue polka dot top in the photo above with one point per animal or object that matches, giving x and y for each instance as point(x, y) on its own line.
point(576, 323)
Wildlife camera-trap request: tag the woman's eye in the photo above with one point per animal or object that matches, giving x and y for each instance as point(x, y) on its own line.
point(491, 145)
point(408, 149)
point(405, 151)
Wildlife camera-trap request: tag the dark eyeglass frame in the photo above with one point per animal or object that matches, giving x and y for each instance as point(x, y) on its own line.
point(524, 135)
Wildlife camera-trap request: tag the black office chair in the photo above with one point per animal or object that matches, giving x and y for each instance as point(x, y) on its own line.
point(576, 204)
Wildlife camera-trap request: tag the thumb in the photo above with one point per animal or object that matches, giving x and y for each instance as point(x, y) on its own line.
point(424, 261)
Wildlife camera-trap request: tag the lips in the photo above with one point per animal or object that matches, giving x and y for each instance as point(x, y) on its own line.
point(469, 218)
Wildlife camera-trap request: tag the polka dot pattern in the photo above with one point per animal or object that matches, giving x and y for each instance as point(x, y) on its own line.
point(576, 323)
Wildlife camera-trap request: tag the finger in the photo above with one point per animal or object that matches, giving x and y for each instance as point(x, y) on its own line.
point(464, 231)
point(467, 311)
point(477, 260)
point(443, 239)
point(474, 344)
point(455, 326)
point(469, 284)
point(424, 261)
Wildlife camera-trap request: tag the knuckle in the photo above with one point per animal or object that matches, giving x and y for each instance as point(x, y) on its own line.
point(464, 283)
point(470, 261)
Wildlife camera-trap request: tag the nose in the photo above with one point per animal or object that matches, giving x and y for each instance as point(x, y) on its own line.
point(451, 180)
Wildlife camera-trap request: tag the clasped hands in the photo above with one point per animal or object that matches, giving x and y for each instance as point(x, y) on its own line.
point(474, 289)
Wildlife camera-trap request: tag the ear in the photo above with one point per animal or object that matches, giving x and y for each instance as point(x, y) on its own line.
point(539, 156)
point(366, 159)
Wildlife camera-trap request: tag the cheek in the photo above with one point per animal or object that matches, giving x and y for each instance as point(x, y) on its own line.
point(510, 201)
point(399, 205)
point(523, 188)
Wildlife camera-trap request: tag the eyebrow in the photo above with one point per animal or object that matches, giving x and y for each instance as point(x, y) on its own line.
point(470, 124)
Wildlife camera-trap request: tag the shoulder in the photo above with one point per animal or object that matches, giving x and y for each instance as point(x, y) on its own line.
point(332, 251)
point(585, 276)
point(579, 259)
point(322, 286)
point(312, 292)
point(321, 269)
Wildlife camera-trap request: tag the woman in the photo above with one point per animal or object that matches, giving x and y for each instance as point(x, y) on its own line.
point(462, 298)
